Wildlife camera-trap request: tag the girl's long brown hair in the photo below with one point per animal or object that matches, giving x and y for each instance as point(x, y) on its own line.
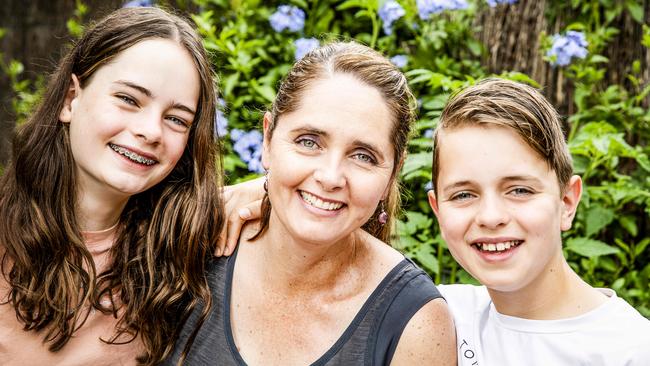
point(165, 235)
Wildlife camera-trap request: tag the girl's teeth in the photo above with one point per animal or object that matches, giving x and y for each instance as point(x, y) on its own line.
point(131, 155)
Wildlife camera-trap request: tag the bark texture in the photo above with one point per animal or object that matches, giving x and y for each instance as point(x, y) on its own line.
point(511, 34)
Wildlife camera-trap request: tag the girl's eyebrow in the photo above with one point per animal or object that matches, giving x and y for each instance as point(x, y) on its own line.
point(149, 94)
point(135, 86)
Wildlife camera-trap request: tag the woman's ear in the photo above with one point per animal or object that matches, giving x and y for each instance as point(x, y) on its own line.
point(268, 118)
point(65, 115)
point(570, 200)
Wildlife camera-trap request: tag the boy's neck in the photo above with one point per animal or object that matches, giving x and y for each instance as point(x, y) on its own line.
point(559, 294)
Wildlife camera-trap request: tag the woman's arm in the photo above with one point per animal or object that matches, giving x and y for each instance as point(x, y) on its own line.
point(429, 337)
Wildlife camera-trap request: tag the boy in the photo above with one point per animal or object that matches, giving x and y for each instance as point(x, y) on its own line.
point(504, 192)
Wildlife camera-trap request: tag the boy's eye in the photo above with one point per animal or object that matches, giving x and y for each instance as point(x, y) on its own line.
point(521, 191)
point(461, 196)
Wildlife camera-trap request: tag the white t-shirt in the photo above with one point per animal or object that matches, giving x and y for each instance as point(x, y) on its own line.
point(614, 334)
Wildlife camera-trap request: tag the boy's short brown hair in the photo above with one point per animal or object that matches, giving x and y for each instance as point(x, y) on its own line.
point(512, 105)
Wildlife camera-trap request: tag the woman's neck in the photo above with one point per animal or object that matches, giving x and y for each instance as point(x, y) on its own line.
point(558, 293)
point(294, 265)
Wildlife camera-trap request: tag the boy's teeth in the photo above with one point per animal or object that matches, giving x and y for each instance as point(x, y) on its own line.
point(318, 203)
point(131, 155)
point(498, 247)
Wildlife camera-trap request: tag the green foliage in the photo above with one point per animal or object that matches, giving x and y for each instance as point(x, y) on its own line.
point(608, 137)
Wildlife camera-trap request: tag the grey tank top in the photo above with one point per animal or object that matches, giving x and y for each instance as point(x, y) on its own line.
point(370, 339)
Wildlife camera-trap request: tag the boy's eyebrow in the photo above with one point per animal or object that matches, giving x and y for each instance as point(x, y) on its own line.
point(359, 143)
point(527, 178)
point(149, 94)
point(455, 185)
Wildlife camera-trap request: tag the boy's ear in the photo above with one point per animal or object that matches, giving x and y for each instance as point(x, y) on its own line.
point(65, 115)
point(570, 201)
point(267, 140)
point(433, 202)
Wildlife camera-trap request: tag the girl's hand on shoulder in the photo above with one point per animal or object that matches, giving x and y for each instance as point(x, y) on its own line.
point(243, 203)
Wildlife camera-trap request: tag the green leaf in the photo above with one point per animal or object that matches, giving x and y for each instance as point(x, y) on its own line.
point(590, 248)
point(635, 9)
point(597, 218)
point(427, 259)
point(629, 224)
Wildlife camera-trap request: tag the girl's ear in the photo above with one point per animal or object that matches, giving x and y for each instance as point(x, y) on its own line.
point(69, 103)
point(266, 163)
point(570, 200)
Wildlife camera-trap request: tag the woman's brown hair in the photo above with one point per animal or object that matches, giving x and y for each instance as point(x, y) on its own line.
point(372, 69)
point(165, 235)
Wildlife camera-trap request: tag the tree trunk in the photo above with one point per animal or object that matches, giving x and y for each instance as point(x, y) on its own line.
point(511, 34)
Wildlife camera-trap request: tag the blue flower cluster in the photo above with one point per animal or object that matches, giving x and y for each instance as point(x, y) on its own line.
point(428, 133)
point(389, 13)
point(494, 3)
point(428, 186)
point(400, 60)
point(564, 48)
point(138, 3)
point(304, 45)
point(248, 145)
point(288, 17)
point(220, 120)
point(428, 7)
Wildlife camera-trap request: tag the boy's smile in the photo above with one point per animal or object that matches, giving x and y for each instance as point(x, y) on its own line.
point(500, 207)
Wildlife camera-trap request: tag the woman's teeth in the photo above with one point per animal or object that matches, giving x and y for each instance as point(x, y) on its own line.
point(318, 203)
point(131, 155)
point(498, 247)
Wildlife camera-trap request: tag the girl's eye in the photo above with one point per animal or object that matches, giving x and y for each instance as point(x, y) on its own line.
point(126, 99)
point(178, 121)
point(365, 158)
point(307, 143)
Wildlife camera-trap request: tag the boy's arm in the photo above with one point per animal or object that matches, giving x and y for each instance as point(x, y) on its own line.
point(429, 337)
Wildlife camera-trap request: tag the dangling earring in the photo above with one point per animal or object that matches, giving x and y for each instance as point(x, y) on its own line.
point(383, 216)
point(266, 182)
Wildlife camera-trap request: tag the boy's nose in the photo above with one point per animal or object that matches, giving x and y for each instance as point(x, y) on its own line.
point(492, 212)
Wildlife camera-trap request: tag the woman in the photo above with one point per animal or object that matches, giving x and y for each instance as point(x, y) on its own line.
point(110, 204)
point(332, 292)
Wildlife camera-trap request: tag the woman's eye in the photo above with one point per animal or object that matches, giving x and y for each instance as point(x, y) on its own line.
point(307, 143)
point(364, 158)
